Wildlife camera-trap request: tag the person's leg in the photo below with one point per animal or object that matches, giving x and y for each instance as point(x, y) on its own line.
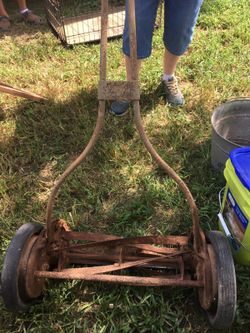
point(3, 11)
point(170, 83)
point(22, 5)
point(170, 62)
point(27, 15)
point(180, 20)
point(145, 15)
point(4, 18)
point(145, 19)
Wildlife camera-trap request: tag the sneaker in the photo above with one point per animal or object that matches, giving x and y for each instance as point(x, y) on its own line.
point(173, 93)
point(30, 17)
point(4, 23)
point(119, 108)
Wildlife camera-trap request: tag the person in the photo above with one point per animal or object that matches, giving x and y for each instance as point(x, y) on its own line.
point(180, 17)
point(26, 14)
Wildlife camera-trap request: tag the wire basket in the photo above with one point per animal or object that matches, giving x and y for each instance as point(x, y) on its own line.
point(79, 21)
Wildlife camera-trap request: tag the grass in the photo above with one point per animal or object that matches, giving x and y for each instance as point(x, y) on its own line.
point(118, 190)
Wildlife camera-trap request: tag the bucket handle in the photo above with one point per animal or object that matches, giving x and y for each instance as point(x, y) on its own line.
point(237, 99)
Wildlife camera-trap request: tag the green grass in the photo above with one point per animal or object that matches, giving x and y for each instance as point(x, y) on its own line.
point(80, 7)
point(118, 190)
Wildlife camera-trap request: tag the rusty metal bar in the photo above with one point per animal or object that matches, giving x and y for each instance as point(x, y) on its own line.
point(128, 280)
point(115, 257)
point(132, 39)
point(87, 236)
point(95, 259)
point(104, 40)
point(149, 249)
point(142, 248)
point(165, 267)
point(181, 265)
point(159, 240)
point(116, 240)
point(111, 267)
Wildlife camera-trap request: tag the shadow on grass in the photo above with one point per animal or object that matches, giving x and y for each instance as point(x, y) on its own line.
point(51, 135)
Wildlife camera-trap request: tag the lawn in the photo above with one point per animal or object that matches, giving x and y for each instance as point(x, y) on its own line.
point(119, 189)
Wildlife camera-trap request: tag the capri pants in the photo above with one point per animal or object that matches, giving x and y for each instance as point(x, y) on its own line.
point(180, 17)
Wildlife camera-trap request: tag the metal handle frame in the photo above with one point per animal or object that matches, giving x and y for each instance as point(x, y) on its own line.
point(199, 241)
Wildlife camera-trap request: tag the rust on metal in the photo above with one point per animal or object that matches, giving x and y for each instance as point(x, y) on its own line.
point(122, 279)
point(112, 257)
point(158, 256)
point(110, 268)
point(118, 90)
point(159, 240)
point(33, 258)
point(208, 293)
point(213, 266)
point(87, 236)
point(204, 272)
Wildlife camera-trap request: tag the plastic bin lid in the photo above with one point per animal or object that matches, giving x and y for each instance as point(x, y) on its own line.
point(240, 158)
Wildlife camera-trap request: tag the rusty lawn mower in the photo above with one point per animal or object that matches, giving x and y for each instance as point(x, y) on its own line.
point(202, 261)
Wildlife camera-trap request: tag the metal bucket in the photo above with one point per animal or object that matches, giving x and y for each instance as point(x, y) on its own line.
point(230, 129)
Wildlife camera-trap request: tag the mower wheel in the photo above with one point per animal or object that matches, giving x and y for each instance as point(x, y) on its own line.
point(222, 311)
point(15, 264)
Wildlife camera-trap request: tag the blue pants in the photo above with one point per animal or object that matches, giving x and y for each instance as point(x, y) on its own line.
point(180, 17)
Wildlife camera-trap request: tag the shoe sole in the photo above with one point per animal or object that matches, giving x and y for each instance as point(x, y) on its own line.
point(118, 115)
point(175, 105)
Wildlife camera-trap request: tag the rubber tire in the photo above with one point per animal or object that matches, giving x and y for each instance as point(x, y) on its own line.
point(9, 276)
point(223, 316)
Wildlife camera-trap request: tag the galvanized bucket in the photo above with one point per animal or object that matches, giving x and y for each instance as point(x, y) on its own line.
point(230, 129)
